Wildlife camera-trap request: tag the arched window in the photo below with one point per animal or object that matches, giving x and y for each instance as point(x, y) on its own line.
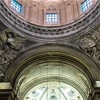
point(86, 4)
point(16, 6)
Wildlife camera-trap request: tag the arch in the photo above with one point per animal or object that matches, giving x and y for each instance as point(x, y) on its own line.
point(53, 51)
point(85, 75)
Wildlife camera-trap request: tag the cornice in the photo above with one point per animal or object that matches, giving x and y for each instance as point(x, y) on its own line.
point(31, 31)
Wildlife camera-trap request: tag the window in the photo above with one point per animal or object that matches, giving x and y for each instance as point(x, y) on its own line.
point(86, 4)
point(15, 5)
point(51, 17)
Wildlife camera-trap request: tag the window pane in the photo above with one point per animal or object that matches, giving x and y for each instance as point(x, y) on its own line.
point(15, 5)
point(51, 17)
point(85, 5)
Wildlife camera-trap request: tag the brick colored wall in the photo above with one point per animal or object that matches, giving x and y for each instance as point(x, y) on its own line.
point(68, 11)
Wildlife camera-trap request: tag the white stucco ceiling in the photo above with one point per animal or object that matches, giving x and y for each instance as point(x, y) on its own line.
point(64, 73)
point(53, 91)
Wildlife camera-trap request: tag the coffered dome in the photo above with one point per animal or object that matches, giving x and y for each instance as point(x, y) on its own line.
point(53, 91)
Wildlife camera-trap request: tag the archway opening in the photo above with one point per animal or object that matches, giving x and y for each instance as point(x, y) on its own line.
point(52, 81)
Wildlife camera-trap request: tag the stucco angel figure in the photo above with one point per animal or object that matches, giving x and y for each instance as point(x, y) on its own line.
point(13, 40)
point(91, 46)
point(88, 45)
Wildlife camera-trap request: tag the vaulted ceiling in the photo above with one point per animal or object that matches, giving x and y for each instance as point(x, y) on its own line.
point(46, 57)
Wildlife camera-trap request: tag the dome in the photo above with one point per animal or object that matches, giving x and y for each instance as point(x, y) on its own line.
point(50, 12)
point(53, 91)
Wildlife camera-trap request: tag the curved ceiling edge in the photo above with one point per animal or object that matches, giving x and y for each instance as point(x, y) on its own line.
point(39, 32)
point(38, 52)
point(62, 79)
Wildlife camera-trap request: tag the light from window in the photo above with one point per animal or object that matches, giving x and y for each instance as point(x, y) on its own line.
point(86, 4)
point(51, 17)
point(15, 5)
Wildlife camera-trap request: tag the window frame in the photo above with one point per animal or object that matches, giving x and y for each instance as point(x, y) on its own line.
point(16, 6)
point(85, 5)
point(51, 17)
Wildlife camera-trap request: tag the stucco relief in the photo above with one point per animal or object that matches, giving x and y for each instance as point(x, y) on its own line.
point(90, 44)
point(10, 46)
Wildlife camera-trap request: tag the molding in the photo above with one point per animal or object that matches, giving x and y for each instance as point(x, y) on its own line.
point(38, 33)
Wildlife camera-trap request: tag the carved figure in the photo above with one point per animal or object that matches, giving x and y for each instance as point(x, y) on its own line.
point(8, 49)
point(88, 45)
point(13, 41)
point(91, 46)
